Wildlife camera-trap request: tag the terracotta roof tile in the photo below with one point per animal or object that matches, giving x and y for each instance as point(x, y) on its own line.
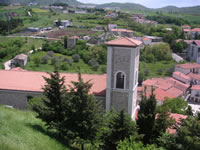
point(197, 42)
point(194, 76)
point(33, 81)
point(175, 92)
point(196, 30)
point(181, 75)
point(188, 65)
point(195, 87)
point(124, 41)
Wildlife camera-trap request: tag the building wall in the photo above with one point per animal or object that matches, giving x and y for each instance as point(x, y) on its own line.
point(195, 96)
point(119, 100)
point(17, 99)
point(184, 71)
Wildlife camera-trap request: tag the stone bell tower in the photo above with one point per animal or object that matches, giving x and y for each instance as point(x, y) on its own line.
point(122, 74)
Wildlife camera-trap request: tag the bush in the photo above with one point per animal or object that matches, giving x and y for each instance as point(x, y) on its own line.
point(94, 64)
point(68, 60)
point(103, 69)
point(50, 53)
point(44, 59)
point(64, 66)
point(76, 57)
point(54, 60)
point(36, 61)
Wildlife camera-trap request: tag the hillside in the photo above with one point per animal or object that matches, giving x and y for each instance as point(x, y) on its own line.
point(186, 10)
point(20, 130)
point(42, 2)
point(128, 6)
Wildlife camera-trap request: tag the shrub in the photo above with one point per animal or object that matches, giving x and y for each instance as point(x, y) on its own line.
point(54, 60)
point(68, 60)
point(94, 64)
point(76, 57)
point(64, 66)
point(36, 60)
point(50, 53)
point(44, 59)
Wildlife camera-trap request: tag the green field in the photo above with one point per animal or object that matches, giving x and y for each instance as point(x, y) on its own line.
point(49, 67)
point(21, 130)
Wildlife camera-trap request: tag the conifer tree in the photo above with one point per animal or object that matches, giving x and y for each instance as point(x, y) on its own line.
point(50, 109)
point(146, 117)
point(82, 114)
point(120, 126)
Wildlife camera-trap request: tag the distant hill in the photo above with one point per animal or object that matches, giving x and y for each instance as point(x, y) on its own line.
point(186, 10)
point(43, 2)
point(128, 6)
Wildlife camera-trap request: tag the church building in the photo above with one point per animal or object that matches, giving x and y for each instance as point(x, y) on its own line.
point(117, 89)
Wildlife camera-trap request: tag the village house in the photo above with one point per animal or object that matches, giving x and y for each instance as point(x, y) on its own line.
point(112, 26)
point(122, 32)
point(193, 51)
point(111, 14)
point(181, 77)
point(19, 60)
point(117, 89)
point(188, 68)
point(154, 39)
point(195, 31)
point(64, 23)
point(195, 93)
point(71, 42)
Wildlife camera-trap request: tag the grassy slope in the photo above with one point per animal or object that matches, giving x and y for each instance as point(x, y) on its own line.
point(20, 130)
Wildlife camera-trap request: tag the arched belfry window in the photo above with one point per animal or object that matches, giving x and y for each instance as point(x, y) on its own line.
point(120, 80)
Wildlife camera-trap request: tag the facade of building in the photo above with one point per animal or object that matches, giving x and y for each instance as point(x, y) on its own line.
point(122, 32)
point(194, 51)
point(64, 23)
point(112, 26)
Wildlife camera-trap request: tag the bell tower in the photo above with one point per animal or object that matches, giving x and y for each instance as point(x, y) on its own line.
point(122, 74)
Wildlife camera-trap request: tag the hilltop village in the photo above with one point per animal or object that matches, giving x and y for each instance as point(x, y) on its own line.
point(143, 65)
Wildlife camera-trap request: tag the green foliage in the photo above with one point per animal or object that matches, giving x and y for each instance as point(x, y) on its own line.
point(76, 58)
point(36, 61)
point(146, 117)
point(189, 111)
point(50, 107)
point(119, 126)
point(155, 53)
point(188, 134)
point(175, 105)
point(131, 144)
point(82, 115)
point(94, 64)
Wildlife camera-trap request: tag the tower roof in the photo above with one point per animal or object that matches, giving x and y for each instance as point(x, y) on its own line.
point(124, 41)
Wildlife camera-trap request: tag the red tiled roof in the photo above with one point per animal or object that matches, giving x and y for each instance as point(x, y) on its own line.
point(181, 75)
point(124, 41)
point(149, 82)
point(33, 81)
point(195, 87)
point(146, 38)
point(179, 85)
point(160, 94)
point(188, 65)
point(194, 76)
point(196, 30)
point(186, 30)
point(177, 118)
point(121, 30)
point(74, 37)
point(175, 92)
point(197, 42)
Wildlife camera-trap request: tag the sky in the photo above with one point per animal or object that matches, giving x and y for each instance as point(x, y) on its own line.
point(150, 3)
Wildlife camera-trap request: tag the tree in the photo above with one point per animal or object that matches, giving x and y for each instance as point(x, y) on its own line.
point(146, 117)
point(36, 61)
point(189, 111)
point(174, 105)
point(131, 144)
point(83, 115)
point(50, 106)
point(120, 126)
point(65, 42)
point(188, 134)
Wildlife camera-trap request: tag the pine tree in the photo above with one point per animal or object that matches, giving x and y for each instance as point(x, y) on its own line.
point(50, 110)
point(82, 114)
point(146, 117)
point(120, 126)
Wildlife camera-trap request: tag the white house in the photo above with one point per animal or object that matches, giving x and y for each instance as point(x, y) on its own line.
point(194, 51)
point(195, 93)
point(188, 68)
point(64, 23)
point(181, 77)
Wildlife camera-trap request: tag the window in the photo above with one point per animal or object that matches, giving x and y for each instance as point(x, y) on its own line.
point(120, 80)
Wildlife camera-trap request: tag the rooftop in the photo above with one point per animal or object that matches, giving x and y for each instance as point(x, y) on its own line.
point(194, 76)
point(33, 81)
point(196, 42)
point(188, 65)
point(181, 75)
point(21, 56)
point(196, 30)
point(195, 87)
point(121, 30)
point(124, 41)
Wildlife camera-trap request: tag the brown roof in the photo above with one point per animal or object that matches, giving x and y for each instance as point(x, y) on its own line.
point(188, 65)
point(124, 41)
point(196, 30)
point(33, 81)
point(194, 76)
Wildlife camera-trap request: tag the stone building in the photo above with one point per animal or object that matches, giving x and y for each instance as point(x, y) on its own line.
point(19, 60)
point(117, 89)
